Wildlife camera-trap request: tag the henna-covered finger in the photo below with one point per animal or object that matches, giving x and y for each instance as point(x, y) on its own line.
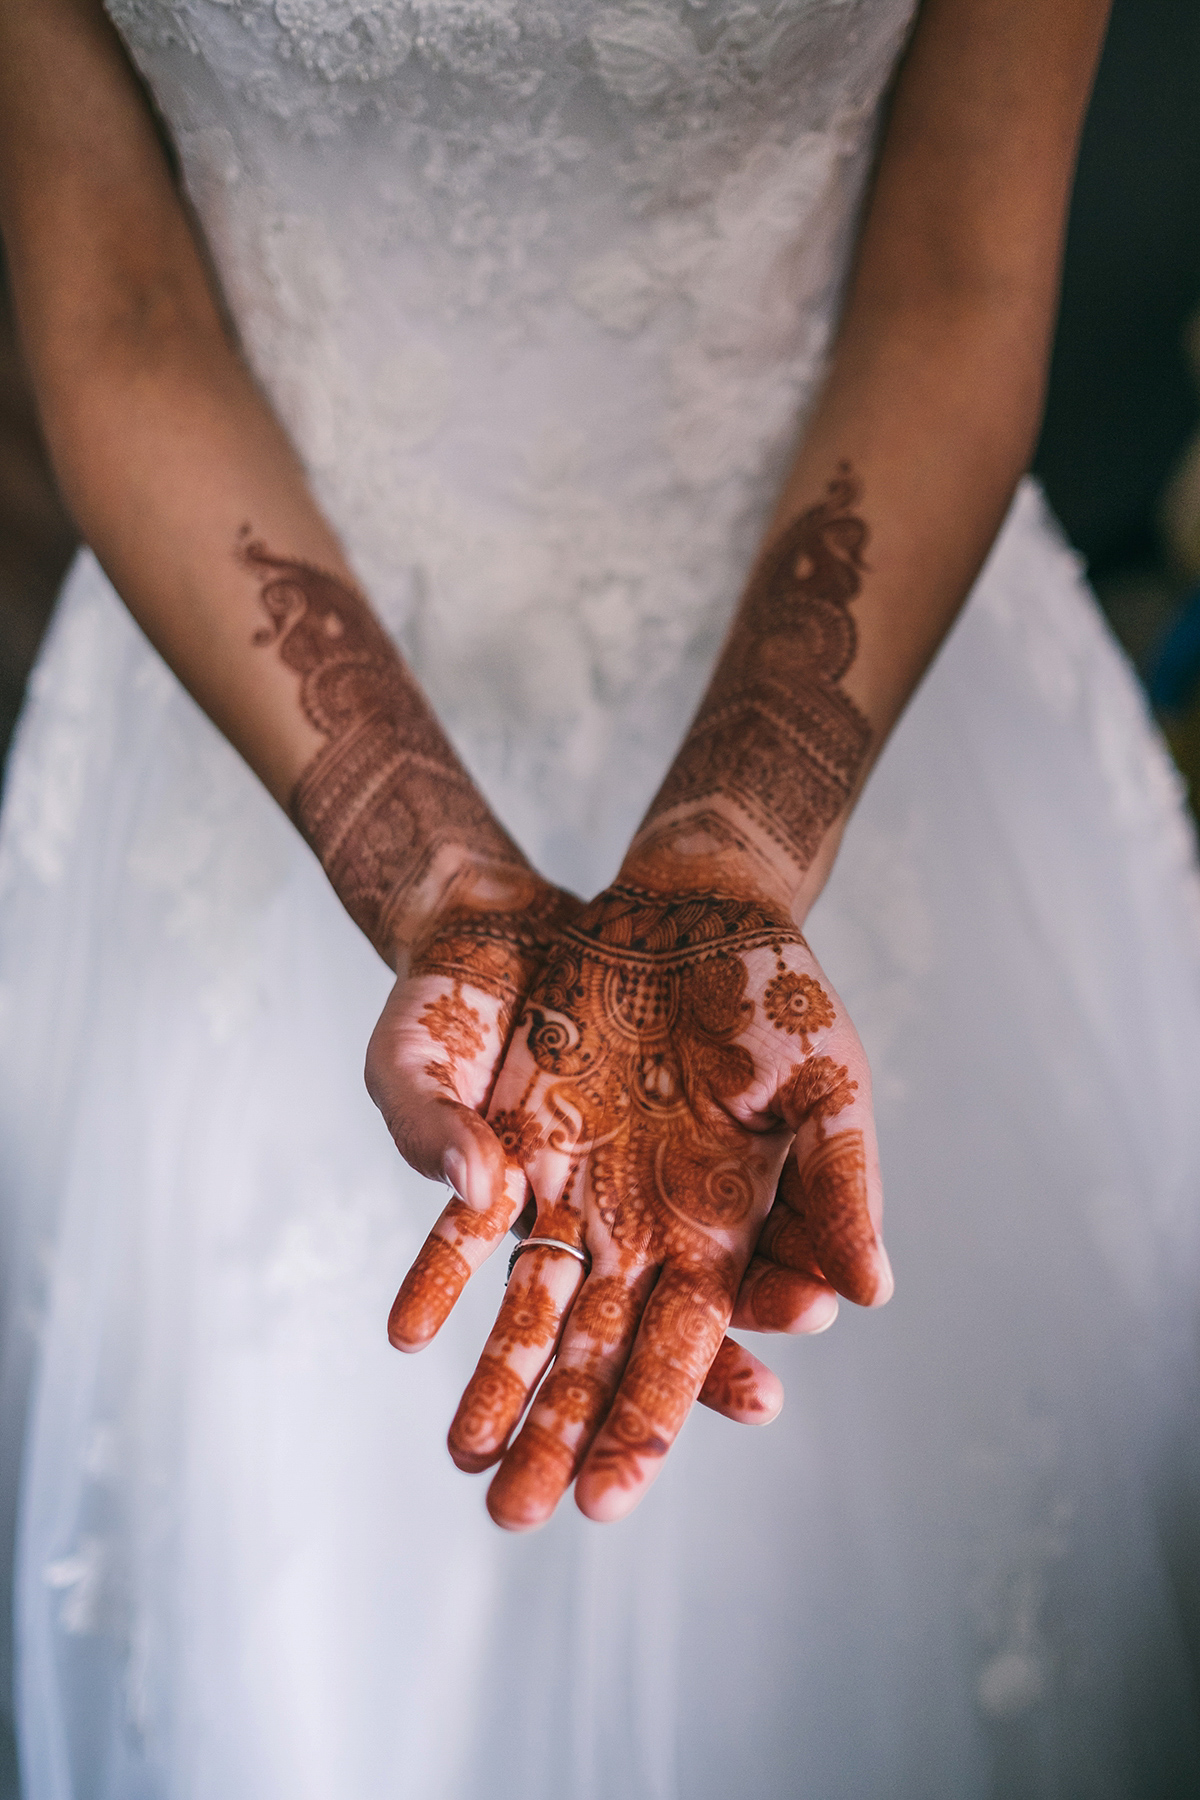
point(829, 1202)
point(776, 1298)
point(522, 1341)
point(461, 1242)
point(827, 1187)
point(430, 1064)
point(740, 1387)
point(680, 1333)
point(572, 1402)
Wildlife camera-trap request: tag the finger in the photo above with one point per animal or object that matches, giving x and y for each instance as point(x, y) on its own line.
point(740, 1387)
point(544, 1283)
point(679, 1337)
point(827, 1186)
point(571, 1403)
point(461, 1242)
point(773, 1297)
point(831, 1180)
point(429, 1065)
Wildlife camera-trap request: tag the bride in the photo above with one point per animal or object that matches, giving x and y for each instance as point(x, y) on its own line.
point(474, 355)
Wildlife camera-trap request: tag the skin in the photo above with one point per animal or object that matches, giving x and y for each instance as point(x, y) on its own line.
point(667, 1072)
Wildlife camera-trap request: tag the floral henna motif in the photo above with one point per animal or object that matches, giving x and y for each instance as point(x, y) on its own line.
point(797, 1004)
point(605, 1310)
point(386, 793)
point(820, 1226)
point(573, 1395)
point(776, 732)
point(453, 1024)
point(528, 1316)
point(520, 1136)
point(819, 1089)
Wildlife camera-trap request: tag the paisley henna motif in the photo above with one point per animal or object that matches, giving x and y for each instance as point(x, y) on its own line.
point(491, 1406)
point(536, 1470)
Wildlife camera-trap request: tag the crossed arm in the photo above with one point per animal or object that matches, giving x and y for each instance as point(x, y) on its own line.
point(668, 1073)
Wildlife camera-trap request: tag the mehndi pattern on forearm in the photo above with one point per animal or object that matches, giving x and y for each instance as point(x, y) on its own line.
point(387, 792)
point(777, 733)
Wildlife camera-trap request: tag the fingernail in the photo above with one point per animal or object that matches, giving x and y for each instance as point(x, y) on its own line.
point(454, 1168)
point(888, 1285)
point(815, 1310)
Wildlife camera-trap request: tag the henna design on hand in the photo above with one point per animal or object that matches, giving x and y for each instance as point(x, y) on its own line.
point(605, 1311)
point(819, 1228)
point(528, 1317)
point(634, 1020)
point(429, 1291)
point(797, 1004)
point(729, 1386)
point(490, 1407)
point(777, 733)
point(828, 1194)
point(387, 796)
point(818, 1090)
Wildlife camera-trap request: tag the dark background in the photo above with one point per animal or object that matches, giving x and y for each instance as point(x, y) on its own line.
point(1122, 402)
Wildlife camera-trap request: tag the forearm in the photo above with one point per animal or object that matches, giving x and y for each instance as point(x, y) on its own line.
point(190, 495)
point(187, 489)
point(925, 424)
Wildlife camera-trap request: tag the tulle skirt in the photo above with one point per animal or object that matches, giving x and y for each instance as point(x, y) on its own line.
point(964, 1563)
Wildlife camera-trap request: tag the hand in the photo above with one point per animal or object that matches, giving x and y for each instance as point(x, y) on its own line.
point(434, 1054)
point(431, 1065)
point(670, 1047)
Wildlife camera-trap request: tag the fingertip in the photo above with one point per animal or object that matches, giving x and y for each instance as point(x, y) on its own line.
point(509, 1517)
point(474, 1167)
point(885, 1286)
point(604, 1505)
point(506, 1523)
point(821, 1314)
point(471, 1462)
point(768, 1395)
point(398, 1336)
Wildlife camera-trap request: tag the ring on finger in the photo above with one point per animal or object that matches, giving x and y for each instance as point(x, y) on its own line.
point(546, 1243)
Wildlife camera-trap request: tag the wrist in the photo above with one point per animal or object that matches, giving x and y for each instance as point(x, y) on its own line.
point(717, 847)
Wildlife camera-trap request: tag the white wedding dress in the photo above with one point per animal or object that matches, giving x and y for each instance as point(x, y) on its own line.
point(540, 289)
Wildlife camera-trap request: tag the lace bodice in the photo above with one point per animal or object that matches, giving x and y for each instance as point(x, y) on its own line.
point(539, 290)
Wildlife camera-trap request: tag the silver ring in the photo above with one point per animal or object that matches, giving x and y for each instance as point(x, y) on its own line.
point(534, 1243)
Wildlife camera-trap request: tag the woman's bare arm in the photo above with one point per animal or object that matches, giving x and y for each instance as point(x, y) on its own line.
point(925, 424)
point(188, 491)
